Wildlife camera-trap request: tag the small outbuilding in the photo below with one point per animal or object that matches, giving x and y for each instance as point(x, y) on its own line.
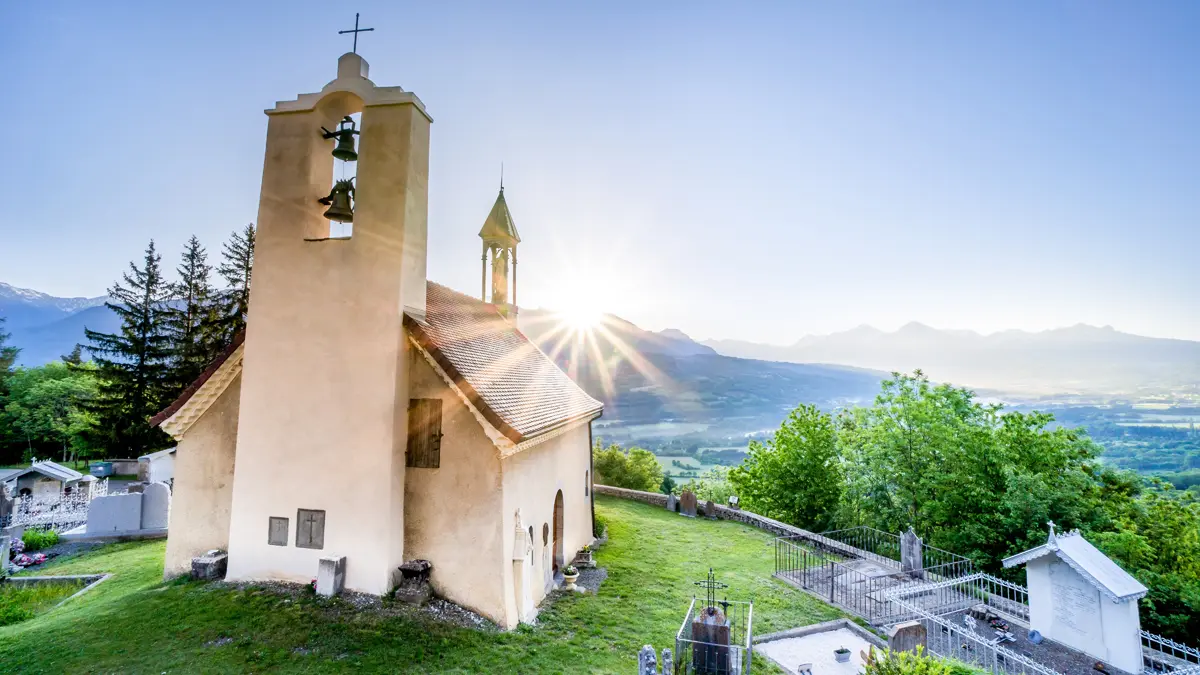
point(1080, 598)
point(41, 481)
point(157, 467)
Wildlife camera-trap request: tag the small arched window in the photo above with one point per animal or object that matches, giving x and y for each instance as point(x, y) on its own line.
point(545, 534)
point(587, 483)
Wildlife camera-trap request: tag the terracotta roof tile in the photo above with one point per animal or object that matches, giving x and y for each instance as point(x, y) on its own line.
point(512, 383)
point(195, 386)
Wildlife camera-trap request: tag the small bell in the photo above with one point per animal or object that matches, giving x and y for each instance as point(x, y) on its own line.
point(338, 201)
point(345, 140)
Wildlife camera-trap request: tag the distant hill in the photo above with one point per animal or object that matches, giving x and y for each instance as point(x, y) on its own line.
point(647, 378)
point(1079, 359)
point(46, 327)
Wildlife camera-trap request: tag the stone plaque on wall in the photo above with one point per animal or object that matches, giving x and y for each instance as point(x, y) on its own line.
point(310, 528)
point(277, 531)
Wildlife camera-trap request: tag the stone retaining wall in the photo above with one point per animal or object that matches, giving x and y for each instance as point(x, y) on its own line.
point(723, 513)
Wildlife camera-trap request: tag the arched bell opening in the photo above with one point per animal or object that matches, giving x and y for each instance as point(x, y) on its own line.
point(340, 130)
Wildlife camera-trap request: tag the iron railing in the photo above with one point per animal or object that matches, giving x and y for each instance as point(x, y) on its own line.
point(1164, 655)
point(700, 657)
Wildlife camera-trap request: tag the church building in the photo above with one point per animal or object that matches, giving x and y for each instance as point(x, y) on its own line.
point(367, 412)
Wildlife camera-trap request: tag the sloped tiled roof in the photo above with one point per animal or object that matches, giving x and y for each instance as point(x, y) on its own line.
point(499, 223)
point(1089, 562)
point(48, 469)
point(510, 381)
point(192, 388)
point(512, 384)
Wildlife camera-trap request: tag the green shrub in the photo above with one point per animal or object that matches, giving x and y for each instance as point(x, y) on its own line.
point(599, 523)
point(907, 663)
point(38, 539)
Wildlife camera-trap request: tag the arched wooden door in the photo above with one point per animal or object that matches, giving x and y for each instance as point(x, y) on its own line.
point(558, 531)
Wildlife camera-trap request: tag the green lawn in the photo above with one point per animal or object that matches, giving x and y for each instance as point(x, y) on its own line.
point(134, 623)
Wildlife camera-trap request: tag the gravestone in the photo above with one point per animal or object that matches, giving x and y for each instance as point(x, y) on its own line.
point(414, 582)
point(6, 504)
point(687, 504)
point(906, 637)
point(710, 510)
point(5, 543)
point(331, 576)
point(647, 662)
point(911, 557)
point(156, 504)
point(114, 513)
point(672, 503)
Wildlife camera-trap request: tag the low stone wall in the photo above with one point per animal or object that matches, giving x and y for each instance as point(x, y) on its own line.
point(722, 512)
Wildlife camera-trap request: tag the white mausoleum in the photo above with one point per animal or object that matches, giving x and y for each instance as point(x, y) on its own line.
point(1080, 598)
point(367, 412)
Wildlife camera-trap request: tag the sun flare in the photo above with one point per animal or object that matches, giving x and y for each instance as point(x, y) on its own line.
point(582, 318)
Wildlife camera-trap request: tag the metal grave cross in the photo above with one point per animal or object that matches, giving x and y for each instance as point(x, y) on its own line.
point(356, 31)
point(711, 585)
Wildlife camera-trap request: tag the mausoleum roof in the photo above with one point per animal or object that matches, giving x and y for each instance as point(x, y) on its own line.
point(1089, 562)
point(48, 469)
point(512, 383)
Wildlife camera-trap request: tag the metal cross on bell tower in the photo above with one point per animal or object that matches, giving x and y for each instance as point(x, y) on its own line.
point(356, 31)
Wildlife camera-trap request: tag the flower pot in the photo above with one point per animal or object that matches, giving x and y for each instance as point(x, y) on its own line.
point(842, 655)
point(570, 580)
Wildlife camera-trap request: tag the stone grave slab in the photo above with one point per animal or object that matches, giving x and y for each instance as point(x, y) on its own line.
point(331, 576)
point(115, 513)
point(687, 504)
point(156, 504)
point(672, 503)
point(907, 636)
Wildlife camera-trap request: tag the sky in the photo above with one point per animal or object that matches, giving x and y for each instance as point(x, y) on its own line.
point(756, 171)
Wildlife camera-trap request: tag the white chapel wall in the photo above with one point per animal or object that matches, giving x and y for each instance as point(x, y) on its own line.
point(532, 478)
point(453, 514)
point(203, 486)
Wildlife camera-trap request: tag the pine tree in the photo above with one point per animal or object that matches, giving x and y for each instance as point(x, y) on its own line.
point(74, 357)
point(133, 364)
point(238, 262)
point(192, 319)
point(8, 355)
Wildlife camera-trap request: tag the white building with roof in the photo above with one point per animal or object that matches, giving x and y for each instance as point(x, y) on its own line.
point(1080, 598)
point(42, 481)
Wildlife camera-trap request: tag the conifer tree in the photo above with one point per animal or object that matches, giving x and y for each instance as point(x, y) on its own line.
point(133, 364)
point(235, 268)
point(192, 319)
point(8, 355)
point(74, 357)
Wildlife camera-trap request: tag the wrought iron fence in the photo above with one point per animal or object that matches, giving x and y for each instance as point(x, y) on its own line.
point(703, 657)
point(59, 513)
point(869, 543)
point(1164, 655)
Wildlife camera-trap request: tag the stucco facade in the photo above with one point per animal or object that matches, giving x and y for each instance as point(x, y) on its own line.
point(203, 484)
point(309, 410)
point(453, 512)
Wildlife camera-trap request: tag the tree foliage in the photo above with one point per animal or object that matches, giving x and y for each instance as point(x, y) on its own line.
point(977, 480)
point(236, 267)
point(45, 407)
point(193, 318)
point(133, 364)
point(796, 476)
point(633, 469)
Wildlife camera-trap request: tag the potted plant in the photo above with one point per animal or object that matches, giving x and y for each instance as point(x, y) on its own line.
point(842, 655)
point(570, 576)
point(585, 555)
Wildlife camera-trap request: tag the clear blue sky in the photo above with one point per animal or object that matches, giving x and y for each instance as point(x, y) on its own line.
point(741, 170)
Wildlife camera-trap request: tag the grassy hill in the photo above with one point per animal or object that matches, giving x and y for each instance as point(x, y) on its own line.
point(134, 623)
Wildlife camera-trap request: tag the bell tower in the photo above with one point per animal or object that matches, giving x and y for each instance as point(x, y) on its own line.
point(500, 240)
point(321, 432)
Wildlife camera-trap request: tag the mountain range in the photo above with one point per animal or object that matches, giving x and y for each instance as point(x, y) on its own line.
point(45, 327)
point(1080, 359)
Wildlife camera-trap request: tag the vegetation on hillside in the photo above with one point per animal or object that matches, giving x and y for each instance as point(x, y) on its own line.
point(977, 480)
point(652, 557)
point(633, 469)
point(170, 331)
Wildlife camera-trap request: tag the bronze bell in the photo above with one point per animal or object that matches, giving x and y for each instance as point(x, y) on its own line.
point(345, 140)
point(340, 208)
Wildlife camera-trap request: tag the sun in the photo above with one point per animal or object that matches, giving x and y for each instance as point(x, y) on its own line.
point(582, 318)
